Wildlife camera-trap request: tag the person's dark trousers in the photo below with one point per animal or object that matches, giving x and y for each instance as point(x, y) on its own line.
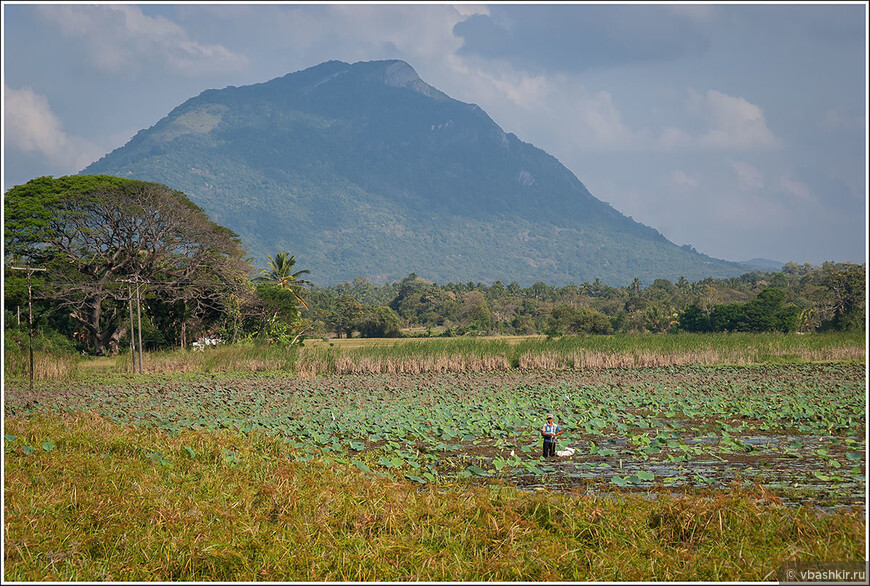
point(549, 449)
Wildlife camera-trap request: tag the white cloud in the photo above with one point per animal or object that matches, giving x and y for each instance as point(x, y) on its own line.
point(31, 127)
point(119, 37)
point(733, 122)
point(588, 120)
point(594, 120)
point(672, 138)
point(681, 179)
point(525, 91)
point(729, 123)
point(702, 13)
point(416, 32)
point(835, 119)
point(604, 123)
point(748, 177)
point(796, 189)
point(471, 9)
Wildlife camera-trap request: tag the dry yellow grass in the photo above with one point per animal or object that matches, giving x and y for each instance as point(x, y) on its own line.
point(462, 354)
point(645, 359)
point(358, 343)
point(46, 367)
point(113, 503)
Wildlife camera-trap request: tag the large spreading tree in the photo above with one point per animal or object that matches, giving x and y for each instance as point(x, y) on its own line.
point(94, 233)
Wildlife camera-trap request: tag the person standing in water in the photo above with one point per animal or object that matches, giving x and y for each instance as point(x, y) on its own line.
point(550, 432)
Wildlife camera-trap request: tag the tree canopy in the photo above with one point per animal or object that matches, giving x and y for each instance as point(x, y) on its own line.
point(94, 233)
point(281, 273)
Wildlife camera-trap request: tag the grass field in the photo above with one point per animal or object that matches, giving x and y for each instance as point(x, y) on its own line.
point(420, 460)
point(103, 502)
point(461, 354)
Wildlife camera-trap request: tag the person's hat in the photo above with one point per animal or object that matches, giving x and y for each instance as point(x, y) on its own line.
point(549, 416)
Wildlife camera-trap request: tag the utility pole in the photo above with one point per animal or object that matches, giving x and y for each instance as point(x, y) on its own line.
point(136, 279)
point(139, 320)
point(132, 329)
point(30, 271)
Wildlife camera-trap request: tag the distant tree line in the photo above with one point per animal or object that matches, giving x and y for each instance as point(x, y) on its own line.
point(101, 238)
point(801, 298)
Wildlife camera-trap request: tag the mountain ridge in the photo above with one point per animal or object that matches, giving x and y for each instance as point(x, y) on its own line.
point(367, 170)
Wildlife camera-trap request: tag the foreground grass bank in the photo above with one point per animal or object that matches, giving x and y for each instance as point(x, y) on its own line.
point(88, 500)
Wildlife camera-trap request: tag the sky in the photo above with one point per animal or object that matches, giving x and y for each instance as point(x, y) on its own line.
point(739, 129)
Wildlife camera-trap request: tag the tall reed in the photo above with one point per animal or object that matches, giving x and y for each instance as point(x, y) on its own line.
point(236, 358)
point(458, 355)
point(618, 351)
point(46, 366)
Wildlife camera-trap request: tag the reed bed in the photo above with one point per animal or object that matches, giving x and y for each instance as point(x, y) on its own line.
point(344, 364)
point(620, 351)
point(46, 366)
point(238, 358)
point(459, 355)
point(641, 359)
point(408, 357)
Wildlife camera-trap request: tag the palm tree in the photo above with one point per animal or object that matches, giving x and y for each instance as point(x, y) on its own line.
point(281, 273)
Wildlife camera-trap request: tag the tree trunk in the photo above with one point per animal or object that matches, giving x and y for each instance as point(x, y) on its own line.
point(113, 340)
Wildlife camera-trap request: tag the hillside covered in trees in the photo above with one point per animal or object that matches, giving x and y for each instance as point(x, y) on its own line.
point(106, 243)
point(365, 170)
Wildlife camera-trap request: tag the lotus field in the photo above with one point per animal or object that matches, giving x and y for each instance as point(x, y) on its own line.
point(797, 431)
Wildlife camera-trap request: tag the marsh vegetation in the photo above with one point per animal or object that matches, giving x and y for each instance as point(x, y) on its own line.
point(681, 472)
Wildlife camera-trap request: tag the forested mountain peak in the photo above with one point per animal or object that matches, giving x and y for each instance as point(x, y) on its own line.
point(364, 169)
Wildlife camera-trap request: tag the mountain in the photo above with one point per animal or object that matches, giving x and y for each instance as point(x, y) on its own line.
point(764, 263)
point(366, 170)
